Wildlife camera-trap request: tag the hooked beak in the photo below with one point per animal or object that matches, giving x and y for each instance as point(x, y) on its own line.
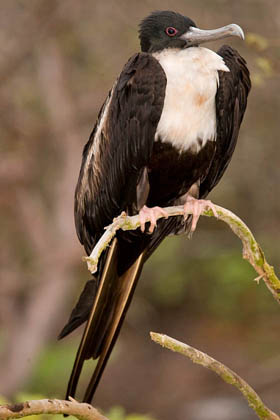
point(196, 36)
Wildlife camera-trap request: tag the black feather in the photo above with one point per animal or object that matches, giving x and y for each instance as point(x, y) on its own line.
point(231, 102)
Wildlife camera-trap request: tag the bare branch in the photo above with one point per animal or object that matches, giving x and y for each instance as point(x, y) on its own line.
point(81, 411)
point(251, 249)
point(197, 356)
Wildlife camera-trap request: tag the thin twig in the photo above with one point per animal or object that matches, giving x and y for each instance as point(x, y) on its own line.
point(251, 249)
point(197, 356)
point(81, 411)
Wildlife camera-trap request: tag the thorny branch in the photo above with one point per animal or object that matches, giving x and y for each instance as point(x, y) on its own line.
point(251, 249)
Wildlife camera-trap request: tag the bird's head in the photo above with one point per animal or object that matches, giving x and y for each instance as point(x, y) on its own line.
point(166, 29)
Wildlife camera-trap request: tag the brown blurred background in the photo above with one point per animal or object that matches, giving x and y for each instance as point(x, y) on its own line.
point(58, 60)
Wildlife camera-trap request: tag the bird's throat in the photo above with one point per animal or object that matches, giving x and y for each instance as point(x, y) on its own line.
point(188, 118)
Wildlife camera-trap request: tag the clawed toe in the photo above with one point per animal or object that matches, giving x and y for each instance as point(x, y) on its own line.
point(212, 207)
point(197, 207)
point(150, 215)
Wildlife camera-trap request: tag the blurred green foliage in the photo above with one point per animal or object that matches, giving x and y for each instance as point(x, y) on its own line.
point(52, 367)
point(214, 284)
point(118, 413)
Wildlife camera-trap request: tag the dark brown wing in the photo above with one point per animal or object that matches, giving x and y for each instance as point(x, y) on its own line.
point(119, 148)
point(112, 179)
point(231, 102)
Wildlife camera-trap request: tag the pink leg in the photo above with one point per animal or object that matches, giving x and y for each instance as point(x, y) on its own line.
point(196, 207)
point(150, 215)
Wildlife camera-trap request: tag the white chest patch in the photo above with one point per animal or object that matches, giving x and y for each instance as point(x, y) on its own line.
point(188, 118)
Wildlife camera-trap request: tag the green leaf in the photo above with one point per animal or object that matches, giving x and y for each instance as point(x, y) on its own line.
point(265, 65)
point(258, 42)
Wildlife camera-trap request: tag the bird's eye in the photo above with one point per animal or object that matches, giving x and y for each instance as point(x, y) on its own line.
point(171, 31)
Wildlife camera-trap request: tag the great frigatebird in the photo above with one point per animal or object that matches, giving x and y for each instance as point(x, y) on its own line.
point(164, 136)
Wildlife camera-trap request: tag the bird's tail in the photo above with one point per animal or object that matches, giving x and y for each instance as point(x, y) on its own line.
point(105, 320)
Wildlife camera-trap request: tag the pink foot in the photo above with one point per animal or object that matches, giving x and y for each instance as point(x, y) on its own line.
point(150, 215)
point(196, 207)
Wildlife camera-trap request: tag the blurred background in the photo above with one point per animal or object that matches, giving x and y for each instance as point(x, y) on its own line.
point(58, 60)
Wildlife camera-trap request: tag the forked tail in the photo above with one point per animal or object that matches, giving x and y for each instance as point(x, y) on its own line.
point(110, 306)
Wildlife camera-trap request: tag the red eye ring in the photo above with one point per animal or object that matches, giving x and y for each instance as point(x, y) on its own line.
point(170, 31)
